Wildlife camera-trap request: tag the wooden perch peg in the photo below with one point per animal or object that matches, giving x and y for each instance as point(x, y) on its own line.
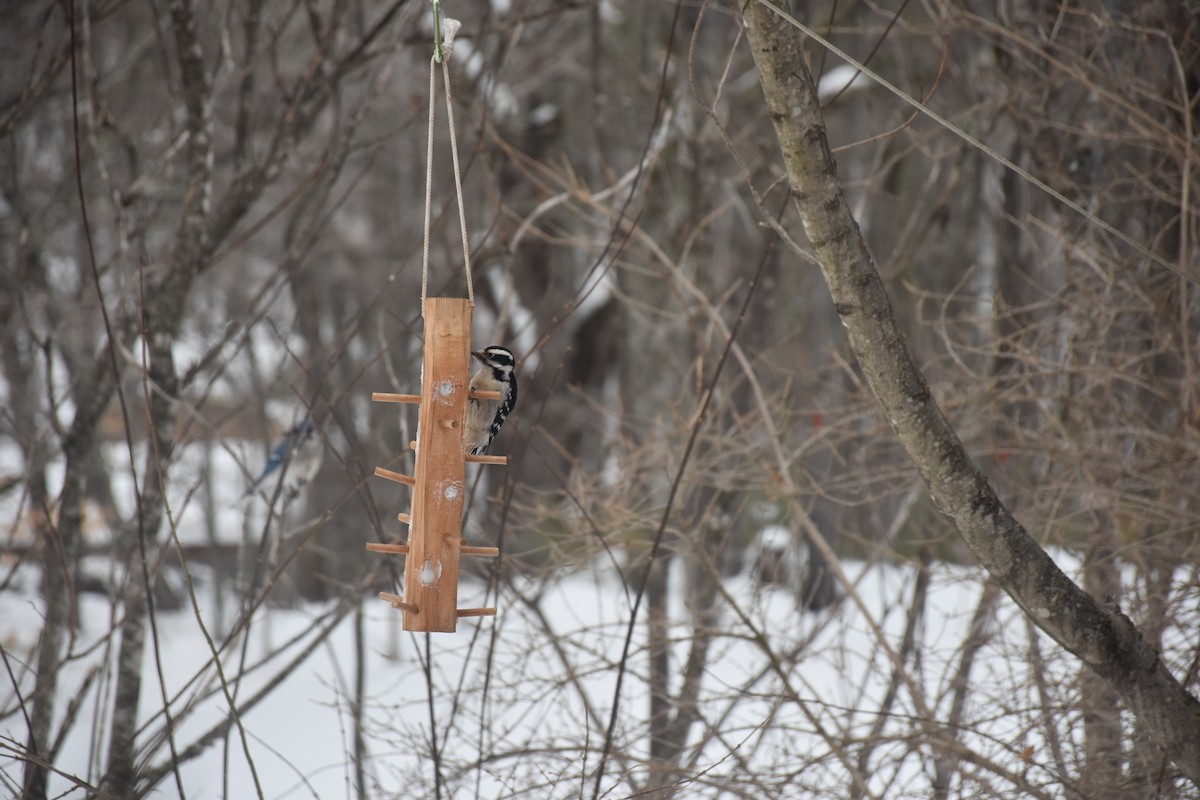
point(398, 602)
point(501, 460)
point(384, 547)
point(477, 612)
point(392, 397)
point(395, 476)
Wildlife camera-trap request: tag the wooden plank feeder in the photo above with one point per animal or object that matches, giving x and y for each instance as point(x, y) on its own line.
point(430, 601)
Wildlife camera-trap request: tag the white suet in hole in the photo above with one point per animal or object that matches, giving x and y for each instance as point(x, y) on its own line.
point(430, 572)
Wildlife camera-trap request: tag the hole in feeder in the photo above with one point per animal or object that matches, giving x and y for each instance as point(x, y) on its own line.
point(430, 572)
point(451, 491)
point(445, 388)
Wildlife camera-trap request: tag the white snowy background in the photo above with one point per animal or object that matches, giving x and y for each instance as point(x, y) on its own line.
point(533, 688)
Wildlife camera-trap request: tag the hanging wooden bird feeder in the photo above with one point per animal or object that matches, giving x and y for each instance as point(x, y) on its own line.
point(430, 600)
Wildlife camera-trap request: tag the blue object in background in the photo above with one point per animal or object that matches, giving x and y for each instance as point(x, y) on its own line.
point(296, 459)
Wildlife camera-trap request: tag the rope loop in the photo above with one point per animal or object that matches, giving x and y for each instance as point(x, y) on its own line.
point(445, 28)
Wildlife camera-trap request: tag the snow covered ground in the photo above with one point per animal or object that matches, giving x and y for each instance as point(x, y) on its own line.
point(791, 704)
point(520, 702)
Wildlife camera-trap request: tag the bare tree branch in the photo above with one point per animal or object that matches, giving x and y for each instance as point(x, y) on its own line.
point(1104, 639)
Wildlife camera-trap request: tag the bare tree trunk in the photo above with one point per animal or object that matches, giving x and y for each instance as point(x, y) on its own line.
point(673, 716)
point(360, 698)
point(658, 648)
point(121, 777)
point(58, 553)
point(162, 309)
point(138, 552)
point(60, 549)
point(1102, 733)
point(59, 542)
point(1106, 641)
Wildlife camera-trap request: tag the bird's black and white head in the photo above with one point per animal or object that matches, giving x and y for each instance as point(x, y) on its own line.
point(499, 360)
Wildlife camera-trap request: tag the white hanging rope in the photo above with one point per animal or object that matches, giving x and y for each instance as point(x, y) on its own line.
point(428, 190)
point(462, 214)
point(448, 27)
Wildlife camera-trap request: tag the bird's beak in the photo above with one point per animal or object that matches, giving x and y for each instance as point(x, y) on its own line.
point(478, 355)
